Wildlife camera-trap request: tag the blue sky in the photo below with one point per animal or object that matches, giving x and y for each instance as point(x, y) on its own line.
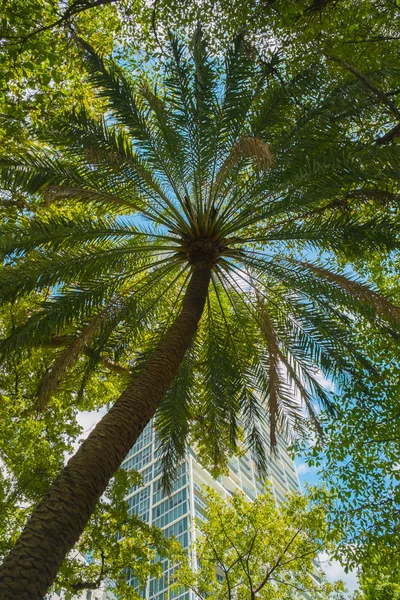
point(333, 569)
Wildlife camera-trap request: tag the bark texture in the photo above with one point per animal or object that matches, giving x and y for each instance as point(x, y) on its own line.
point(59, 519)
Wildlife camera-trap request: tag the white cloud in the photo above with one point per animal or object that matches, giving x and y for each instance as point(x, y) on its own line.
point(327, 384)
point(335, 571)
point(303, 468)
point(88, 420)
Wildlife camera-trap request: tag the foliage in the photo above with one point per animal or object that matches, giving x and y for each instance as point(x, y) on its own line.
point(358, 463)
point(258, 549)
point(360, 34)
point(32, 452)
point(354, 28)
point(301, 314)
point(41, 71)
point(202, 165)
point(205, 163)
point(33, 447)
point(37, 78)
point(379, 587)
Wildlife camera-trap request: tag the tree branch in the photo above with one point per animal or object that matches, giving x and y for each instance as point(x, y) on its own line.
point(239, 555)
point(389, 136)
point(75, 9)
point(384, 98)
point(301, 590)
point(90, 585)
point(367, 83)
point(191, 587)
point(278, 562)
point(381, 197)
point(223, 568)
point(59, 341)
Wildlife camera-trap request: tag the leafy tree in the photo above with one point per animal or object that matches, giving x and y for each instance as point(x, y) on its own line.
point(379, 587)
point(32, 450)
point(361, 33)
point(358, 457)
point(39, 76)
point(186, 265)
point(41, 71)
point(32, 446)
point(357, 462)
point(259, 550)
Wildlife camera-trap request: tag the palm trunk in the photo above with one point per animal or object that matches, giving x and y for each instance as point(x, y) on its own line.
point(59, 519)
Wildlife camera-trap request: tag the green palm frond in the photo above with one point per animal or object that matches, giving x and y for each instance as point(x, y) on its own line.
point(243, 83)
point(220, 385)
point(66, 359)
point(274, 383)
point(173, 417)
point(215, 161)
point(361, 293)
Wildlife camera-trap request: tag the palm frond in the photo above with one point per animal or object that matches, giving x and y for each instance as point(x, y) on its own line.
point(172, 421)
point(247, 147)
point(361, 293)
point(273, 373)
point(301, 390)
point(65, 360)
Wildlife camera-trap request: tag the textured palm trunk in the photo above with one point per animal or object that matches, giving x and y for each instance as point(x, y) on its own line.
point(59, 519)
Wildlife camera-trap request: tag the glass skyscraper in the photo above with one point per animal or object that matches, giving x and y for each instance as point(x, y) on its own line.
point(176, 513)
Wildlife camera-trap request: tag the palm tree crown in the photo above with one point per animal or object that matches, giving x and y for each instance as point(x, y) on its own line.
point(226, 165)
point(167, 240)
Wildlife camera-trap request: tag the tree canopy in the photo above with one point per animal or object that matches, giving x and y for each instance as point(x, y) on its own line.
point(357, 460)
point(41, 71)
point(379, 587)
point(259, 550)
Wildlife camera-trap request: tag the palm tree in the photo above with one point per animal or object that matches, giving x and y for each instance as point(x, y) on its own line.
point(181, 263)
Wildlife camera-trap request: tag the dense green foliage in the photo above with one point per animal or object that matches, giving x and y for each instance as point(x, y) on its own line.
point(41, 71)
point(359, 455)
point(33, 447)
point(358, 461)
point(40, 68)
point(362, 451)
point(259, 550)
point(379, 587)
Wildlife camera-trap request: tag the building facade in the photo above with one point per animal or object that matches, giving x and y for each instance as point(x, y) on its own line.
point(99, 594)
point(177, 512)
